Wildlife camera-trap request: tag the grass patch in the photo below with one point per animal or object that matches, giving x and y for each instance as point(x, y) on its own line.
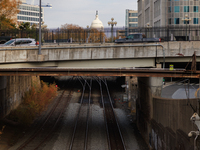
point(34, 103)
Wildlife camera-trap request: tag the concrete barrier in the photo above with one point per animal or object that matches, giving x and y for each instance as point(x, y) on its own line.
point(101, 52)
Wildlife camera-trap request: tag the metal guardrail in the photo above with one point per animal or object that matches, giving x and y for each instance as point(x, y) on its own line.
point(78, 47)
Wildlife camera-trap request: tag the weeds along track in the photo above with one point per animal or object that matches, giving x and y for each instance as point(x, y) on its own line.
point(79, 137)
point(47, 127)
point(114, 135)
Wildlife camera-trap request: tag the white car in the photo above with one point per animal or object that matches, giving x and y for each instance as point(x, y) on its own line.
point(20, 42)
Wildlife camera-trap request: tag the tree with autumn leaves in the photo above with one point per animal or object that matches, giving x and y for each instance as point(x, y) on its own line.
point(75, 32)
point(8, 11)
point(96, 36)
point(80, 34)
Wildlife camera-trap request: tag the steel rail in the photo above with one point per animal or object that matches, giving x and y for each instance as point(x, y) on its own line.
point(87, 119)
point(88, 113)
point(115, 115)
point(104, 112)
point(31, 138)
point(57, 119)
point(78, 114)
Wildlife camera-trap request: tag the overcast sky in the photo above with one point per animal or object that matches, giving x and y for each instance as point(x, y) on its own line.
point(82, 12)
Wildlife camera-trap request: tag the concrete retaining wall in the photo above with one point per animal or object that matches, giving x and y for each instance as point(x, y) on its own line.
point(12, 89)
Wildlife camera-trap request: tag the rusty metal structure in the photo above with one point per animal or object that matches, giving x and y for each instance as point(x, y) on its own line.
point(138, 72)
point(193, 64)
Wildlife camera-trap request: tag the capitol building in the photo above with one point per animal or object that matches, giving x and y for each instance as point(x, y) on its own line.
point(96, 23)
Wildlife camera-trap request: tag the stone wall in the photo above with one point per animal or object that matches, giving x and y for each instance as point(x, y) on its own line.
point(12, 89)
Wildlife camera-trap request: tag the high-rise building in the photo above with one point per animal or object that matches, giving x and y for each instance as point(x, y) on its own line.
point(141, 13)
point(131, 18)
point(158, 13)
point(29, 13)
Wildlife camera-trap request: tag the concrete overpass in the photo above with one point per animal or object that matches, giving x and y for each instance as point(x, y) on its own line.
point(98, 55)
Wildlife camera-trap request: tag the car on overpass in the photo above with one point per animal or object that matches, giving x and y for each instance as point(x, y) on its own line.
point(4, 39)
point(20, 42)
point(137, 38)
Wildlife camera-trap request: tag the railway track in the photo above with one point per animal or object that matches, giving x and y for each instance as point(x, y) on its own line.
point(78, 135)
point(114, 135)
point(42, 134)
point(79, 138)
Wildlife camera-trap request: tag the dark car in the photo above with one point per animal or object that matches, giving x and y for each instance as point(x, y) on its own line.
point(137, 38)
point(4, 39)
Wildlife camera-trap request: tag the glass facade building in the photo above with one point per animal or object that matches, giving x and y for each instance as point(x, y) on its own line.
point(131, 18)
point(188, 8)
point(167, 12)
point(29, 13)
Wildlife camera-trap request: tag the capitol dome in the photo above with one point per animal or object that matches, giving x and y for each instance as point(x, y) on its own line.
point(96, 23)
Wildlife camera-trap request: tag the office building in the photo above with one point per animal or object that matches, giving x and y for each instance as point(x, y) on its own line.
point(158, 13)
point(29, 13)
point(131, 18)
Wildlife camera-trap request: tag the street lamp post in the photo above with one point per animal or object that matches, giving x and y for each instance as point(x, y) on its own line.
point(40, 29)
point(40, 20)
point(186, 19)
point(112, 23)
point(87, 33)
point(148, 26)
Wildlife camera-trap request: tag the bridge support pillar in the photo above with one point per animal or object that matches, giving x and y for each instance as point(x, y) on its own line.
point(131, 91)
point(147, 88)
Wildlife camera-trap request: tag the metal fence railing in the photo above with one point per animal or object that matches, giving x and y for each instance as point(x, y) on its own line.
point(169, 33)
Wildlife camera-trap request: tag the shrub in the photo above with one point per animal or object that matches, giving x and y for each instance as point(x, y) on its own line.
point(34, 102)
